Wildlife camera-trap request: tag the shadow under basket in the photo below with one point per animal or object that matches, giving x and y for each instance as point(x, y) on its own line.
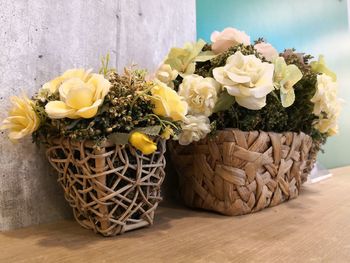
point(111, 188)
point(237, 172)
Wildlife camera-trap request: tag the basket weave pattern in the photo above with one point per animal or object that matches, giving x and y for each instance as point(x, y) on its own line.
point(112, 188)
point(240, 172)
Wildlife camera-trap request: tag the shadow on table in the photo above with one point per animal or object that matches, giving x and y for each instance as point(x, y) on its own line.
point(70, 235)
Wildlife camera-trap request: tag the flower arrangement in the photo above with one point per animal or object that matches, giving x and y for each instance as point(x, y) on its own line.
point(104, 134)
point(233, 83)
point(82, 105)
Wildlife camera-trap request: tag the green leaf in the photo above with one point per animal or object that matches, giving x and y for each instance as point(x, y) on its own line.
point(224, 102)
point(119, 138)
point(150, 130)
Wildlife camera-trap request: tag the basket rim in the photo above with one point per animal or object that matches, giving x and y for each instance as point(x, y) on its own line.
point(88, 143)
point(283, 132)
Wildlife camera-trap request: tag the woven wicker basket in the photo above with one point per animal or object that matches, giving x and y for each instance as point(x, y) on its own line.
point(240, 172)
point(113, 188)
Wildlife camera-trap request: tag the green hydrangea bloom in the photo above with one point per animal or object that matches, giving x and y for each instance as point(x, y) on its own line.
point(320, 67)
point(285, 77)
point(184, 59)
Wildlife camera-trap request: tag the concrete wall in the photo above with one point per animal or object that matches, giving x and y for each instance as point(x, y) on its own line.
point(39, 39)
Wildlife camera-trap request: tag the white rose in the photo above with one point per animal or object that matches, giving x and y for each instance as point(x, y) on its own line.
point(229, 37)
point(194, 128)
point(200, 94)
point(326, 104)
point(246, 78)
point(166, 75)
point(267, 51)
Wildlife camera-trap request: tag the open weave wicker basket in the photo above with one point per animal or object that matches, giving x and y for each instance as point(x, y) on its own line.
point(240, 172)
point(112, 188)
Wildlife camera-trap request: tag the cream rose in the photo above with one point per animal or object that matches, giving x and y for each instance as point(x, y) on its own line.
point(166, 75)
point(194, 128)
point(229, 37)
point(200, 94)
point(326, 104)
point(266, 50)
point(79, 97)
point(246, 78)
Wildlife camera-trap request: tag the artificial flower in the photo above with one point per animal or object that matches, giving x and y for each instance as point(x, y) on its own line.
point(246, 78)
point(326, 105)
point(320, 67)
point(166, 75)
point(193, 129)
point(53, 85)
point(183, 59)
point(167, 103)
point(22, 119)
point(167, 133)
point(200, 94)
point(229, 37)
point(79, 98)
point(285, 77)
point(142, 142)
point(266, 50)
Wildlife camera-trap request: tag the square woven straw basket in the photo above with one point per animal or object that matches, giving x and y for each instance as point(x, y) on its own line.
point(239, 172)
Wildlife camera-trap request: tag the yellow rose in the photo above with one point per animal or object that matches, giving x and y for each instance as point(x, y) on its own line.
point(22, 119)
point(142, 142)
point(167, 103)
point(53, 85)
point(79, 97)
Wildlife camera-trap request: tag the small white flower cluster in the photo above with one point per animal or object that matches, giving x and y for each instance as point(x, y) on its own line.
point(327, 105)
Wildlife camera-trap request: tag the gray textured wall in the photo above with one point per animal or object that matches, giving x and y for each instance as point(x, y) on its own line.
point(39, 39)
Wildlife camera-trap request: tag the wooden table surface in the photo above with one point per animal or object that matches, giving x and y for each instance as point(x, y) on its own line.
point(313, 228)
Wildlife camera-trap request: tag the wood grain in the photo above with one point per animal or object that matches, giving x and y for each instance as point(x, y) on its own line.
point(312, 228)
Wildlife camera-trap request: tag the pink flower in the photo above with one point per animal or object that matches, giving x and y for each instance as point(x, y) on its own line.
point(229, 37)
point(266, 50)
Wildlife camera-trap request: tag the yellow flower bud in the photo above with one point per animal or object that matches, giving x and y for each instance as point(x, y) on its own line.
point(142, 142)
point(167, 133)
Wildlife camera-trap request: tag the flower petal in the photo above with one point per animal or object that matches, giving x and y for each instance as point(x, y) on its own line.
point(59, 110)
point(68, 85)
point(79, 97)
point(288, 98)
point(100, 84)
point(89, 112)
point(79, 73)
point(247, 102)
